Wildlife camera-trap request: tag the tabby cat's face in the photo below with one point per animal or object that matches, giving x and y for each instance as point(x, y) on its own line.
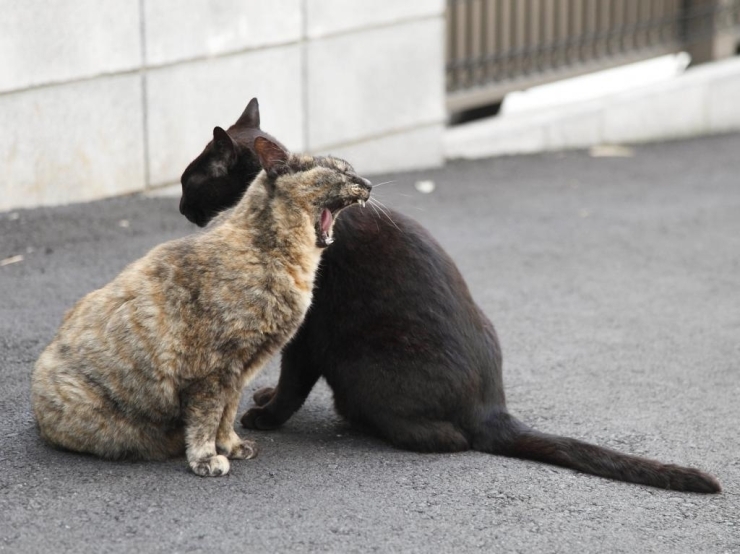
point(324, 185)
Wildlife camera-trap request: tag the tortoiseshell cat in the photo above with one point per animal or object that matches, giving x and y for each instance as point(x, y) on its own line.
point(153, 364)
point(405, 349)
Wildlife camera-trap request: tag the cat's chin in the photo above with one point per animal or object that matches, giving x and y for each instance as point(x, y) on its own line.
point(324, 240)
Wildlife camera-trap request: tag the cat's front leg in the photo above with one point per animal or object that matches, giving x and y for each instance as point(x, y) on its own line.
point(228, 442)
point(203, 404)
point(297, 377)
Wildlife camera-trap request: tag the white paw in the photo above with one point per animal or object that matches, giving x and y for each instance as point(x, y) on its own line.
point(215, 466)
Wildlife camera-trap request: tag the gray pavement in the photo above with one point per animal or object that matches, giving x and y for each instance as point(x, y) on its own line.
point(614, 284)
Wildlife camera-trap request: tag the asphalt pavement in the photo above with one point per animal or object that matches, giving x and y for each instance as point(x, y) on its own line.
point(614, 284)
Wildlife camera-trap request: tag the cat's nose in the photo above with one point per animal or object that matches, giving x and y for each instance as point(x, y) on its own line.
point(366, 182)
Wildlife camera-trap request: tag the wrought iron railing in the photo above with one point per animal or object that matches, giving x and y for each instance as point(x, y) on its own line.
point(497, 46)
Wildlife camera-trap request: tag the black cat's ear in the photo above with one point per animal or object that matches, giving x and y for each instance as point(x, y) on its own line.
point(272, 157)
point(224, 145)
point(250, 117)
point(222, 139)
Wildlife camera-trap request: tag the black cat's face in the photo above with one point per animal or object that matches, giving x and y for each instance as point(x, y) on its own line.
point(218, 177)
point(211, 184)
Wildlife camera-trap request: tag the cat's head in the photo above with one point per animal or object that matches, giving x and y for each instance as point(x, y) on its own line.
point(218, 177)
point(320, 185)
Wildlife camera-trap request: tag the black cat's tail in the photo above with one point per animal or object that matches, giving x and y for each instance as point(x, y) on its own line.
point(505, 435)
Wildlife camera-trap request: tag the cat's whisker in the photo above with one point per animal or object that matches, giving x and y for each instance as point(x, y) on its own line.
point(384, 183)
point(370, 202)
point(382, 207)
point(385, 211)
point(376, 214)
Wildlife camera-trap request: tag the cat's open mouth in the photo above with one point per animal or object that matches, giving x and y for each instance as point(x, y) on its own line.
point(326, 220)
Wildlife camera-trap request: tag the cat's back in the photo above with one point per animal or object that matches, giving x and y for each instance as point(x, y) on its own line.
point(387, 280)
point(123, 353)
point(394, 254)
point(388, 290)
point(116, 326)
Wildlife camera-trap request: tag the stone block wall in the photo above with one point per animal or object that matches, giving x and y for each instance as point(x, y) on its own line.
point(105, 98)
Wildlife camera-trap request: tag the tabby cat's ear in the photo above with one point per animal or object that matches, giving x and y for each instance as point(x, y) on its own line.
point(272, 157)
point(250, 117)
point(224, 146)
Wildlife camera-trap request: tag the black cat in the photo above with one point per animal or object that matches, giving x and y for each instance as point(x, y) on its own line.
point(394, 331)
point(215, 179)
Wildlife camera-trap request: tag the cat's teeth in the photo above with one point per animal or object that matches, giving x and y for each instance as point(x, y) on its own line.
point(328, 240)
point(362, 203)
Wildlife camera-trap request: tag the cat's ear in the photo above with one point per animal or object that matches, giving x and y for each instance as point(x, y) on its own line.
point(250, 117)
point(272, 156)
point(224, 145)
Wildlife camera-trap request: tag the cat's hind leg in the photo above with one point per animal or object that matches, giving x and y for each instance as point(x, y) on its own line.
point(228, 442)
point(421, 435)
point(76, 412)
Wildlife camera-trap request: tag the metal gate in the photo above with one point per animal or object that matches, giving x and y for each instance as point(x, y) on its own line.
point(498, 46)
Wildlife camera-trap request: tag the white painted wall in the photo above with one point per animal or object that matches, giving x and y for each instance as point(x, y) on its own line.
point(105, 98)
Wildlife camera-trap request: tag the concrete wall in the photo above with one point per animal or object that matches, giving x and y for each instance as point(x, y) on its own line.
point(104, 98)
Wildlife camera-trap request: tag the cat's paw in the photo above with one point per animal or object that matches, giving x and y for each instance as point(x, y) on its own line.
point(263, 396)
point(236, 448)
point(259, 418)
point(215, 466)
point(245, 450)
point(227, 442)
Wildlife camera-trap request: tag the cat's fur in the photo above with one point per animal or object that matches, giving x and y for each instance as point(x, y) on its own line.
point(408, 353)
point(153, 364)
